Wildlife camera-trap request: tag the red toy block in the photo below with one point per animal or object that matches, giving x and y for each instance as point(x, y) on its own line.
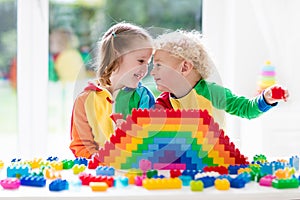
point(277, 93)
point(116, 116)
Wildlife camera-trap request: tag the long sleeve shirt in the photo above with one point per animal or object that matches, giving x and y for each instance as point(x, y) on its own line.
point(91, 122)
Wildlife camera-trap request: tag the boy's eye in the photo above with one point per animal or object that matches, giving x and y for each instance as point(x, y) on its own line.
point(157, 65)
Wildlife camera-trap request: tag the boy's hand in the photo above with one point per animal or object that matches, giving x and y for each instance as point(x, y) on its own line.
point(275, 93)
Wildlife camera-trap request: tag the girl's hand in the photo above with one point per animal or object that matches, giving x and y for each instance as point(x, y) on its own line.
point(275, 93)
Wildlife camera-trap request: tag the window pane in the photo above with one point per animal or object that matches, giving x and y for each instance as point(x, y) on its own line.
point(8, 78)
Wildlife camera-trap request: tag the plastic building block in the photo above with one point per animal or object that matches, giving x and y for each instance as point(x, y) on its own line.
point(266, 168)
point(277, 93)
point(196, 186)
point(266, 180)
point(1, 164)
point(240, 181)
point(158, 176)
point(50, 173)
point(131, 178)
point(260, 157)
point(151, 173)
point(87, 178)
point(78, 168)
point(121, 182)
point(190, 173)
point(138, 180)
point(145, 165)
point(256, 176)
point(57, 165)
point(206, 174)
point(170, 139)
point(175, 173)
point(222, 184)
point(105, 171)
point(52, 158)
point(185, 180)
point(294, 162)
point(80, 161)
point(136, 172)
point(67, 164)
point(285, 183)
point(233, 169)
point(59, 185)
point(283, 173)
point(36, 181)
point(93, 163)
point(18, 170)
point(15, 160)
point(243, 170)
point(219, 169)
point(160, 184)
point(207, 181)
point(36, 163)
point(98, 186)
point(10, 183)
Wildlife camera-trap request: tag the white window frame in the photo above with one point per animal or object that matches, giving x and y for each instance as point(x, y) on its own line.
point(32, 76)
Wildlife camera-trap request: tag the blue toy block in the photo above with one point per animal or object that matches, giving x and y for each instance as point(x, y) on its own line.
point(51, 158)
point(18, 171)
point(36, 181)
point(121, 182)
point(59, 185)
point(105, 171)
point(224, 176)
point(233, 169)
point(80, 161)
point(186, 179)
point(266, 168)
point(15, 160)
point(158, 176)
point(294, 162)
point(208, 181)
point(190, 173)
point(240, 180)
point(277, 165)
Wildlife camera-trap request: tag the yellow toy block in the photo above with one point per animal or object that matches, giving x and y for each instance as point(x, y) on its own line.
point(161, 184)
point(78, 168)
point(98, 186)
point(1, 164)
point(222, 184)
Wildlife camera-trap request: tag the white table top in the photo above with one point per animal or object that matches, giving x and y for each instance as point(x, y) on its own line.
point(252, 190)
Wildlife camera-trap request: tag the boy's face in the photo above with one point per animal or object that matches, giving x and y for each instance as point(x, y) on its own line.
point(167, 71)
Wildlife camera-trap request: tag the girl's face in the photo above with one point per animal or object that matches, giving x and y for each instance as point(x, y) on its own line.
point(133, 68)
point(167, 71)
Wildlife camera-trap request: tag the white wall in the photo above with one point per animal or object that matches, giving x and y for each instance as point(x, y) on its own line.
point(241, 35)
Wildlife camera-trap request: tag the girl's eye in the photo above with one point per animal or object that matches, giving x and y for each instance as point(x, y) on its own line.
point(141, 61)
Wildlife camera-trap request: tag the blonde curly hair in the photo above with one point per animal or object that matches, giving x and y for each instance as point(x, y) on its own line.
point(186, 45)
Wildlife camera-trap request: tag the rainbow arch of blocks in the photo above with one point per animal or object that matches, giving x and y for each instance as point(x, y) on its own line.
point(170, 139)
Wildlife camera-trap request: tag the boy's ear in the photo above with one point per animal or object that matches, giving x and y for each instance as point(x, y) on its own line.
point(187, 67)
